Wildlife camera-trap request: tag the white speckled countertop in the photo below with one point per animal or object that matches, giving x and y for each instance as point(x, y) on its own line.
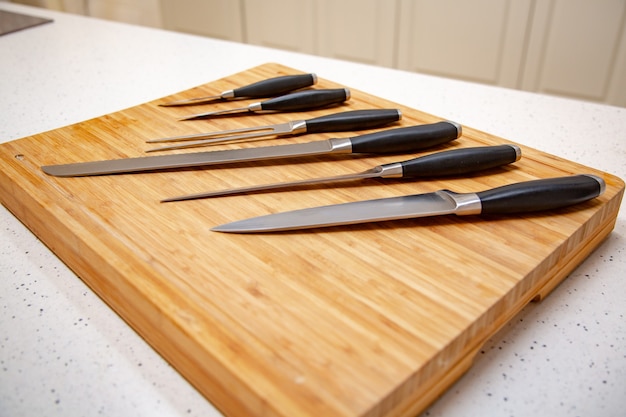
point(63, 352)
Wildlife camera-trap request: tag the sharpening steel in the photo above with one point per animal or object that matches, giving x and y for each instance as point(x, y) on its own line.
point(454, 162)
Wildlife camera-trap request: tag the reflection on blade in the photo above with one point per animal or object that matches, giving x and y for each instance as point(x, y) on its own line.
point(422, 205)
point(373, 173)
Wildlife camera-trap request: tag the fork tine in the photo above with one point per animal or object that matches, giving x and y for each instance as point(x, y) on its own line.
point(215, 140)
point(261, 130)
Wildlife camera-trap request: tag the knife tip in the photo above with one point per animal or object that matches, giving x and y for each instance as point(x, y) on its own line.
point(53, 170)
point(224, 228)
point(192, 117)
point(177, 198)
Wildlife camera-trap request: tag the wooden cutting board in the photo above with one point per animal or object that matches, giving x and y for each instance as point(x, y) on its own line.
point(369, 320)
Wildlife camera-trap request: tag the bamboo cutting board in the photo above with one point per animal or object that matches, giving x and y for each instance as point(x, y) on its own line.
point(369, 320)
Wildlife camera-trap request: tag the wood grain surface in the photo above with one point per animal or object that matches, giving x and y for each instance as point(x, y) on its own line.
point(369, 320)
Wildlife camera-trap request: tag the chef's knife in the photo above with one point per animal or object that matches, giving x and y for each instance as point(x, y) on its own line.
point(336, 122)
point(454, 162)
point(265, 88)
point(537, 195)
point(298, 101)
point(404, 139)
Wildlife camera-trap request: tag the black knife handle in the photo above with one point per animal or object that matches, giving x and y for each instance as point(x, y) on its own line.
point(352, 120)
point(275, 86)
point(539, 195)
point(305, 100)
point(461, 161)
point(406, 139)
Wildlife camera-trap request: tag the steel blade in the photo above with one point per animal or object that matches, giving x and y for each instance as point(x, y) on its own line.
point(196, 159)
point(264, 130)
point(191, 101)
point(205, 142)
point(216, 113)
point(395, 208)
point(373, 173)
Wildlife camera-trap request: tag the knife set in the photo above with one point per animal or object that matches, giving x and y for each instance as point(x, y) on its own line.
point(528, 196)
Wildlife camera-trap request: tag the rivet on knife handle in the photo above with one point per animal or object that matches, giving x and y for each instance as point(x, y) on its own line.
point(298, 101)
point(265, 88)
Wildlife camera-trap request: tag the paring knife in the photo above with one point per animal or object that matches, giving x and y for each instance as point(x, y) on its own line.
point(404, 139)
point(337, 122)
point(298, 101)
point(545, 194)
point(454, 162)
point(265, 88)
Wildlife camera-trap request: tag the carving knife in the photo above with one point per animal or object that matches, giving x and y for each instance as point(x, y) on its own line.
point(336, 122)
point(400, 140)
point(298, 101)
point(265, 88)
point(454, 162)
point(523, 197)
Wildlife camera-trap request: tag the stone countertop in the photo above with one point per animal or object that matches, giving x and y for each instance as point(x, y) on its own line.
point(64, 352)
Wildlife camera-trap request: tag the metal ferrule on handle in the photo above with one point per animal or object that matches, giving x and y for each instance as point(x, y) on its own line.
point(340, 145)
point(465, 204)
point(255, 106)
point(297, 126)
point(227, 94)
point(393, 170)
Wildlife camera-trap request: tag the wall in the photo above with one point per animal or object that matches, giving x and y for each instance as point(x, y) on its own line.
point(571, 48)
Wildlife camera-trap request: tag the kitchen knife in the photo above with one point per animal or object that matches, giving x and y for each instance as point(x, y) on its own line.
point(336, 122)
point(265, 88)
point(404, 139)
point(298, 101)
point(454, 162)
point(537, 195)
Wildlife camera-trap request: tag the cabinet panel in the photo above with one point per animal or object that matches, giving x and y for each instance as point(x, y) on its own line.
point(70, 6)
point(144, 12)
point(479, 40)
point(574, 47)
point(221, 19)
point(617, 84)
point(282, 24)
point(358, 30)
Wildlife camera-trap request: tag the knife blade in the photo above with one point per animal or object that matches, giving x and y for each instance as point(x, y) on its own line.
point(265, 88)
point(523, 197)
point(336, 122)
point(454, 162)
point(298, 101)
point(404, 139)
